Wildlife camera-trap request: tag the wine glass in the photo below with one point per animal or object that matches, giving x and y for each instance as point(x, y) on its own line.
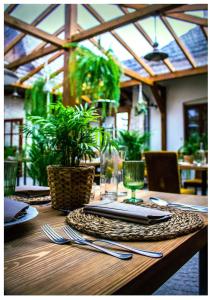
point(133, 178)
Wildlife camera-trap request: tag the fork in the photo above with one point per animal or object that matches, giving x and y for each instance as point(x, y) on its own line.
point(58, 239)
point(71, 233)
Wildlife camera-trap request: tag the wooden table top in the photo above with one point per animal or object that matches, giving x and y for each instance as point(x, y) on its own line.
point(35, 266)
point(187, 166)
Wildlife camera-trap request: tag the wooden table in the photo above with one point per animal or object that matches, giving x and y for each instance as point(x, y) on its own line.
point(35, 266)
point(202, 168)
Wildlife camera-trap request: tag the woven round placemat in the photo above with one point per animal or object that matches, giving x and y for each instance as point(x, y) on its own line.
point(181, 222)
point(32, 200)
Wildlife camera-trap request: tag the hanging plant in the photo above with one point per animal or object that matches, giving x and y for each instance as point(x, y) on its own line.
point(94, 76)
point(36, 99)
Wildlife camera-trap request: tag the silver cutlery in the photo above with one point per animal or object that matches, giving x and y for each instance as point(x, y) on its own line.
point(58, 239)
point(71, 233)
point(179, 205)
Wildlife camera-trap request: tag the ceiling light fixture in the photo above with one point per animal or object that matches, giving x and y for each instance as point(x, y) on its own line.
point(156, 54)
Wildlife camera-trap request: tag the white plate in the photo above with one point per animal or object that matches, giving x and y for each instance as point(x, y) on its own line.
point(31, 213)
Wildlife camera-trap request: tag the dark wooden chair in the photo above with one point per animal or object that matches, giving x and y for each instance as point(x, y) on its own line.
point(163, 172)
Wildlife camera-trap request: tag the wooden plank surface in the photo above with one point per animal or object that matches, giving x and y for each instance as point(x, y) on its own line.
point(35, 266)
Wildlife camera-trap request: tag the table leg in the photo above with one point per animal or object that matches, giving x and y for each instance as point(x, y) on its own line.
point(204, 183)
point(203, 271)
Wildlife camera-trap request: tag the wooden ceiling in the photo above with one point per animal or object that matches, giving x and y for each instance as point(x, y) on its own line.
point(54, 45)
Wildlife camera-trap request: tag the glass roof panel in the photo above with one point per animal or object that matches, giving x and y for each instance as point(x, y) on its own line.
point(158, 67)
point(28, 12)
point(134, 39)
point(131, 10)
point(180, 27)
point(85, 19)
point(56, 64)
point(9, 34)
point(24, 47)
point(59, 78)
point(5, 6)
point(91, 47)
point(163, 35)
point(109, 42)
point(199, 13)
point(194, 40)
point(54, 21)
point(32, 79)
point(108, 11)
point(176, 56)
point(133, 65)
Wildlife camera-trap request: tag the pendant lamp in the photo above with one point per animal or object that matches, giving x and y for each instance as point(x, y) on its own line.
point(156, 54)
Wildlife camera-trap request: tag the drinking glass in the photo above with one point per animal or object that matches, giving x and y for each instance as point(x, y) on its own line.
point(133, 178)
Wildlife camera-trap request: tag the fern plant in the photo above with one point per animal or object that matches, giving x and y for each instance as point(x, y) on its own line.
point(134, 143)
point(94, 76)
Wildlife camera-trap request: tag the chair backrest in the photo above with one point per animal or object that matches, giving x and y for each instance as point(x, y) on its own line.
point(163, 171)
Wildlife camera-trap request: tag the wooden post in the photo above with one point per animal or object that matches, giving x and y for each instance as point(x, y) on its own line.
point(159, 94)
point(70, 27)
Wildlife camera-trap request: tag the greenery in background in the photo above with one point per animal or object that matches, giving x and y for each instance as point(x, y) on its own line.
point(36, 99)
point(94, 76)
point(10, 152)
point(40, 154)
point(69, 133)
point(134, 143)
point(192, 144)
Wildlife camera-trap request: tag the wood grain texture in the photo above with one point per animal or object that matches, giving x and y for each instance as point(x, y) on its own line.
point(35, 266)
point(180, 74)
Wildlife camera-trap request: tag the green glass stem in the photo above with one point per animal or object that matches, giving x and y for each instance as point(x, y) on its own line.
point(133, 194)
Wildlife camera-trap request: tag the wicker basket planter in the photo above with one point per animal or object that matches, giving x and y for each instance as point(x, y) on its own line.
point(70, 187)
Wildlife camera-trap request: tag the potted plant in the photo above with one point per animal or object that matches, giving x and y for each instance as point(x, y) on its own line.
point(72, 137)
point(191, 145)
point(134, 143)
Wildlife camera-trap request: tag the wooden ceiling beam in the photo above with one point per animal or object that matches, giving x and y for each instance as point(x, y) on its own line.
point(189, 7)
point(180, 74)
point(57, 72)
point(179, 42)
point(39, 68)
point(38, 20)
point(205, 31)
point(32, 30)
point(149, 40)
point(121, 21)
point(33, 56)
point(43, 44)
point(188, 18)
point(140, 61)
point(128, 83)
point(137, 76)
point(134, 6)
point(71, 11)
point(10, 8)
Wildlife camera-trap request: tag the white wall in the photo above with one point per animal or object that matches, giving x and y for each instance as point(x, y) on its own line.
point(180, 91)
point(190, 89)
point(13, 107)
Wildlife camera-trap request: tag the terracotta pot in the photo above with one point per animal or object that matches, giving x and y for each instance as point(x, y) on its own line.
point(70, 187)
point(188, 158)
